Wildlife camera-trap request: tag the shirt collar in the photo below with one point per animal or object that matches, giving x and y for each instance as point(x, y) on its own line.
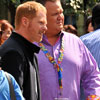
point(45, 40)
point(28, 45)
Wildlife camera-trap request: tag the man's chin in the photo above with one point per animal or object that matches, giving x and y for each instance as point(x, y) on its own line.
point(60, 28)
point(39, 40)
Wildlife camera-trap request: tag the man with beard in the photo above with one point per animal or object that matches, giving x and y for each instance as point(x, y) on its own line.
point(18, 52)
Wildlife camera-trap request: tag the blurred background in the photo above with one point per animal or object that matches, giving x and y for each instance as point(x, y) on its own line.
point(75, 11)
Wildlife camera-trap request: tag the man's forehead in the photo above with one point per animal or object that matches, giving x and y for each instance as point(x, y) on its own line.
point(56, 4)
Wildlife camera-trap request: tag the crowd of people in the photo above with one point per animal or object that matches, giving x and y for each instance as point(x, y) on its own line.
point(44, 60)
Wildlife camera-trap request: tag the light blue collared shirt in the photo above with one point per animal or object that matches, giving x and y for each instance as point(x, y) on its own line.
point(92, 42)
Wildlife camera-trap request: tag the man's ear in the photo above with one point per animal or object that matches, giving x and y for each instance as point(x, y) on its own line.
point(25, 21)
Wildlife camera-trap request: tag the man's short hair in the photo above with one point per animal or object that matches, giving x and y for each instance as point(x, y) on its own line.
point(29, 10)
point(96, 15)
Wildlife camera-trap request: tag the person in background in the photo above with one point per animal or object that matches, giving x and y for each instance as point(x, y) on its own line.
point(18, 52)
point(5, 90)
point(64, 61)
point(70, 29)
point(92, 39)
point(88, 25)
point(5, 30)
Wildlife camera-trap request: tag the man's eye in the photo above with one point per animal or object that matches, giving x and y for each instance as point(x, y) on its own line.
point(56, 13)
point(40, 22)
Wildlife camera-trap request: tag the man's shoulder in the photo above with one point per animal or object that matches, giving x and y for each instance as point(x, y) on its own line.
point(92, 35)
point(71, 37)
point(9, 46)
point(86, 36)
point(91, 39)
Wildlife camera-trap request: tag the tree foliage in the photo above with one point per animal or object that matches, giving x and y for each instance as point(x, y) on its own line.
point(75, 7)
point(78, 6)
point(70, 6)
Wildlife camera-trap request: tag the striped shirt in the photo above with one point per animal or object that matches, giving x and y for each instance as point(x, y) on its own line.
point(92, 42)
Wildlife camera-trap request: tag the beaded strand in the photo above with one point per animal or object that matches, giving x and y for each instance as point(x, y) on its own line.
point(51, 59)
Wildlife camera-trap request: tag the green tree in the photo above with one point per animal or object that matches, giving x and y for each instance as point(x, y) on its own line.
point(79, 8)
point(75, 7)
point(10, 5)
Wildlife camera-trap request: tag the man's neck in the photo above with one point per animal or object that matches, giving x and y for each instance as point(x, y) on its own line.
point(52, 39)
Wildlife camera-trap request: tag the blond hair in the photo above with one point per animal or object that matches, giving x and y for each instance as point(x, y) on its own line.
point(29, 10)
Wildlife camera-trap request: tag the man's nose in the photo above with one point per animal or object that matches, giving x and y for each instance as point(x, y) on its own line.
point(45, 27)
